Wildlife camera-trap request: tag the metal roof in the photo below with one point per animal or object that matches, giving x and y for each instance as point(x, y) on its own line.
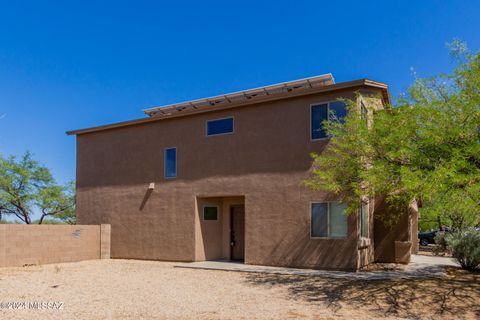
point(240, 97)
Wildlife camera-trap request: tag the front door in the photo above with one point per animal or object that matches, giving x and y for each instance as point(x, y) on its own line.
point(237, 232)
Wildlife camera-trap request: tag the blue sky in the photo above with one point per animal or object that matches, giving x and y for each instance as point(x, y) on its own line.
point(73, 64)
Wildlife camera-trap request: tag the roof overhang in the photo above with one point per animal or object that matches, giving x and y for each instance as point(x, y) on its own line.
point(258, 95)
point(240, 97)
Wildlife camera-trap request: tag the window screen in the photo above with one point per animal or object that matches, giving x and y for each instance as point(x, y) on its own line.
point(328, 220)
point(338, 220)
point(219, 126)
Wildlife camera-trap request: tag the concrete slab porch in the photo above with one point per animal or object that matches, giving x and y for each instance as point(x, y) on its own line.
point(418, 268)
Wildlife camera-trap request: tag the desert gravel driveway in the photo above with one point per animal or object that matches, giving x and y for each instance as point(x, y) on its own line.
point(132, 289)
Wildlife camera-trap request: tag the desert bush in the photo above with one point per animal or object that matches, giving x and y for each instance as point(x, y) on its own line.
point(465, 246)
point(441, 246)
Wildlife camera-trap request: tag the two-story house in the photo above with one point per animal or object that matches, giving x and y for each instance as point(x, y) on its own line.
point(222, 178)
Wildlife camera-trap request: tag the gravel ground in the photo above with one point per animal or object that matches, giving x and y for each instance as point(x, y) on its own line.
point(132, 289)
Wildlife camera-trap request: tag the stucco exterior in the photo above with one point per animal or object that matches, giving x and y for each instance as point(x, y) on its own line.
point(262, 166)
point(22, 245)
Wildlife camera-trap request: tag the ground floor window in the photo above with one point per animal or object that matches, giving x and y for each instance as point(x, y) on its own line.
point(328, 220)
point(364, 220)
point(210, 213)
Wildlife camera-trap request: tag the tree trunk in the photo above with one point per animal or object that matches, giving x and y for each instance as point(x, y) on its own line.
point(439, 220)
point(41, 219)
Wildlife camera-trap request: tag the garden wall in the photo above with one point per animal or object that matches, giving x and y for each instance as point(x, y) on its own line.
point(22, 245)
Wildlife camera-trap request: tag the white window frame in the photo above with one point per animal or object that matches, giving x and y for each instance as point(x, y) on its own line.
point(328, 237)
point(210, 206)
point(311, 116)
point(219, 134)
point(165, 162)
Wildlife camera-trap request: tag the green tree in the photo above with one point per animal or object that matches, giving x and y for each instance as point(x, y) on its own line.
point(424, 149)
point(27, 187)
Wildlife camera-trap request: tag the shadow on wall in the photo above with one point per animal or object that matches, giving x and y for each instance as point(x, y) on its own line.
point(385, 234)
point(147, 195)
point(452, 296)
point(133, 155)
point(301, 251)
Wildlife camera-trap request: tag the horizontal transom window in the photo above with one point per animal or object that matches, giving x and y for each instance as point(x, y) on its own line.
point(219, 126)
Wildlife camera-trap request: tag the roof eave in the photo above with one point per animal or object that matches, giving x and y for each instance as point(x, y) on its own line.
point(333, 87)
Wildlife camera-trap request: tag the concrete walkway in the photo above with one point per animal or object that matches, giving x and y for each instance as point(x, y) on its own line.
point(421, 266)
point(434, 260)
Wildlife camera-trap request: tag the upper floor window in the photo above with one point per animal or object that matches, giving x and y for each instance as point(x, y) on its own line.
point(328, 220)
point(170, 163)
point(363, 111)
point(219, 126)
point(325, 111)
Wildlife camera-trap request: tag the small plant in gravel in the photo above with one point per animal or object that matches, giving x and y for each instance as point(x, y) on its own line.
point(465, 246)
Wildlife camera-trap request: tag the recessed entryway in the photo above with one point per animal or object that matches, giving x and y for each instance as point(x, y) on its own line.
point(220, 228)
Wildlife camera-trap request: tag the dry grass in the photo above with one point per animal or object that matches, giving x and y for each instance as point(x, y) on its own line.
point(128, 289)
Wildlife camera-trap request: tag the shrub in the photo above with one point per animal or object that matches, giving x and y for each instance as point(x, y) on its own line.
point(441, 244)
point(465, 246)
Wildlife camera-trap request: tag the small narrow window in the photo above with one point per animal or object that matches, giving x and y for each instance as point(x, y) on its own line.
point(364, 220)
point(328, 220)
point(333, 111)
point(170, 163)
point(363, 112)
point(219, 126)
point(210, 213)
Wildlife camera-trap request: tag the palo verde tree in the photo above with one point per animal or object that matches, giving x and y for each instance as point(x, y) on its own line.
point(424, 149)
point(27, 188)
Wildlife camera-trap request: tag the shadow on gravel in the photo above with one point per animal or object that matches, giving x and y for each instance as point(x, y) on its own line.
point(457, 295)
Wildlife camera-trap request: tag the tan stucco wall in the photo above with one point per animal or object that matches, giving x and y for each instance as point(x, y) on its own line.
point(404, 230)
point(213, 237)
point(209, 234)
point(43, 244)
point(265, 160)
point(366, 251)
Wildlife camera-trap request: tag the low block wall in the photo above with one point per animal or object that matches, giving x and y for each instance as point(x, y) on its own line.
point(42, 244)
